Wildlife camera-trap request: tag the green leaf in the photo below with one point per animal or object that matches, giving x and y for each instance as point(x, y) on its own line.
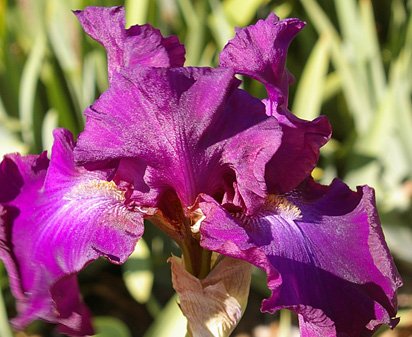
point(346, 60)
point(110, 327)
point(372, 48)
point(9, 142)
point(392, 124)
point(283, 10)
point(169, 323)
point(31, 21)
point(259, 282)
point(50, 122)
point(29, 80)
point(138, 274)
point(136, 12)
point(241, 12)
point(332, 85)
point(400, 241)
point(63, 31)
point(5, 330)
point(222, 30)
point(10, 123)
point(90, 70)
point(195, 15)
point(367, 173)
point(3, 11)
point(64, 34)
point(348, 16)
point(58, 98)
point(399, 16)
point(101, 71)
point(309, 94)
point(402, 111)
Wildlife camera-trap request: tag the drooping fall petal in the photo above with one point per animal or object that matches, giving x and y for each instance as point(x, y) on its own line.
point(132, 47)
point(62, 218)
point(324, 252)
point(213, 305)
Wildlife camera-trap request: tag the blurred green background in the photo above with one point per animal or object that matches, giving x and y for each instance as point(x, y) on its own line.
point(352, 62)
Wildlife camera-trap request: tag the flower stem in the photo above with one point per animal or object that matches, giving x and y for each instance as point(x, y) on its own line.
point(205, 263)
point(285, 323)
point(196, 259)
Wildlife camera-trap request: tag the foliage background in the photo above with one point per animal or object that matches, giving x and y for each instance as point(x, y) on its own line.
point(353, 62)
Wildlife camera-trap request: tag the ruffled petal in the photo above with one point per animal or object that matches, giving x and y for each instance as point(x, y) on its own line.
point(324, 252)
point(62, 219)
point(14, 167)
point(298, 153)
point(135, 46)
point(186, 130)
point(15, 171)
point(260, 50)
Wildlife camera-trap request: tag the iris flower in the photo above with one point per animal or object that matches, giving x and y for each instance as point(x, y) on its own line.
point(215, 168)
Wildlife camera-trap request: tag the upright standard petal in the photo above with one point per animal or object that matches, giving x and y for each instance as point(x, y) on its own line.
point(135, 46)
point(260, 50)
point(299, 150)
point(324, 252)
point(189, 131)
point(61, 219)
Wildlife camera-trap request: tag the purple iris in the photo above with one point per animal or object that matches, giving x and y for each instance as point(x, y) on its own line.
point(214, 167)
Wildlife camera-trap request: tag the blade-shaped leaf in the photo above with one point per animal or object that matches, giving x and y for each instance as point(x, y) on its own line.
point(170, 322)
point(110, 327)
point(136, 12)
point(29, 80)
point(309, 94)
point(138, 274)
point(241, 12)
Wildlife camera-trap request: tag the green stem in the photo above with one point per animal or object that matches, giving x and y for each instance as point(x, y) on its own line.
point(205, 263)
point(196, 259)
point(285, 323)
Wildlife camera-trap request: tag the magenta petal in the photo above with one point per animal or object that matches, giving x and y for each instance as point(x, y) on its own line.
point(14, 166)
point(135, 46)
point(260, 50)
point(186, 130)
point(298, 153)
point(324, 252)
point(15, 172)
point(61, 220)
